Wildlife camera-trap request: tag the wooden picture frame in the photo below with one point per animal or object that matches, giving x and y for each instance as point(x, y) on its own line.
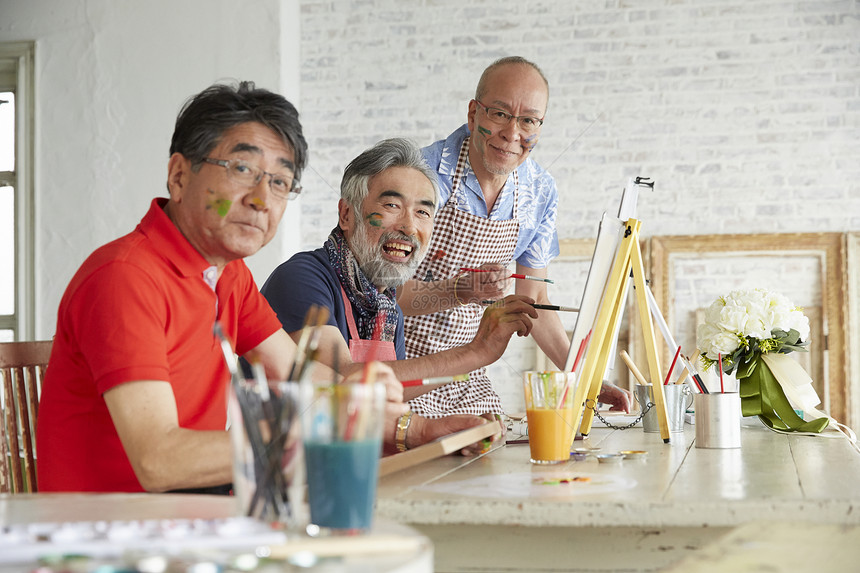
point(828, 248)
point(853, 319)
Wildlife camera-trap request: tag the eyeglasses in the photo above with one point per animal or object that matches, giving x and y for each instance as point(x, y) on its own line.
point(283, 185)
point(498, 116)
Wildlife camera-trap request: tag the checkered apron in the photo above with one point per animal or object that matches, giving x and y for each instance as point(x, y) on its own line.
point(459, 239)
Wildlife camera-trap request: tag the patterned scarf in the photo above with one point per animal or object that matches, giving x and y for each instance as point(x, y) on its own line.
point(372, 306)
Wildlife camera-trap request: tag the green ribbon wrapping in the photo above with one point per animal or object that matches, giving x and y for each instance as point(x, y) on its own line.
point(762, 396)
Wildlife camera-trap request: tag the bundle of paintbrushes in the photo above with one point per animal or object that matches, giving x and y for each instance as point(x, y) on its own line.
point(265, 439)
point(264, 427)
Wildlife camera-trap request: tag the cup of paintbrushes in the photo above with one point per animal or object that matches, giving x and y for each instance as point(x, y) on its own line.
point(268, 476)
point(342, 435)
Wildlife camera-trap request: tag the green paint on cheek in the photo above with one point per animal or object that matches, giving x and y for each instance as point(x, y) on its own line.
point(222, 206)
point(485, 131)
point(374, 219)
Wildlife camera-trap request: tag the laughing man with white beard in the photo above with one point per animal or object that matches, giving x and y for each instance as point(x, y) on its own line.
point(388, 203)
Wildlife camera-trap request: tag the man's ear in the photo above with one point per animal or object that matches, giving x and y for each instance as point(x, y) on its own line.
point(178, 172)
point(470, 115)
point(345, 217)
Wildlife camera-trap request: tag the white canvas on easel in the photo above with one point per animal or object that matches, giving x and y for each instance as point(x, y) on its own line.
point(620, 253)
point(608, 237)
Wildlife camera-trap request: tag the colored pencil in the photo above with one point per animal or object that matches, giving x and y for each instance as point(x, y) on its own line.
point(672, 367)
point(694, 372)
point(579, 354)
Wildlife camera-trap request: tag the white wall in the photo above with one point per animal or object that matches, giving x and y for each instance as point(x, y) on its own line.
point(110, 79)
point(745, 112)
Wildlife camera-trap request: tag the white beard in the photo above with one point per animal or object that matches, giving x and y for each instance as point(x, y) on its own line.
point(379, 271)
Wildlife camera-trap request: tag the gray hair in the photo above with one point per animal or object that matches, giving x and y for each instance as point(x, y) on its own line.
point(394, 152)
point(206, 116)
point(506, 61)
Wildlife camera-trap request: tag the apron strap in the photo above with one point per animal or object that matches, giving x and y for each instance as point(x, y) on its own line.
point(350, 320)
point(462, 158)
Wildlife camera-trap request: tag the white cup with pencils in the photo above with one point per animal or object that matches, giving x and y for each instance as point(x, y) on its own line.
point(718, 417)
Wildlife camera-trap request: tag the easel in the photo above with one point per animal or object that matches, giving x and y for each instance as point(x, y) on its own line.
point(628, 260)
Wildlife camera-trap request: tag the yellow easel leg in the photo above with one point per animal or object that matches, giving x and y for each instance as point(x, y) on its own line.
point(611, 307)
point(649, 340)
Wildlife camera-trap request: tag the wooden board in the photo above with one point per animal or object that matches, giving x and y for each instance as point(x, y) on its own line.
point(437, 448)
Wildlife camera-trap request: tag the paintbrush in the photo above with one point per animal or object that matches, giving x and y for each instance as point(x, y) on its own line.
point(512, 275)
point(437, 380)
point(301, 346)
point(636, 373)
point(540, 306)
point(313, 341)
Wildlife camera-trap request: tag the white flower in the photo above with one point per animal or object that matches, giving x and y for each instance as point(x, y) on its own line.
point(752, 313)
point(799, 322)
point(713, 341)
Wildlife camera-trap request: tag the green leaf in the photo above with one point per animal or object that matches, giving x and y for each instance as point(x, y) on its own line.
point(793, 337)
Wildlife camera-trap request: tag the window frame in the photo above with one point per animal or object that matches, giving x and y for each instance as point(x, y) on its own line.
point(17, 75)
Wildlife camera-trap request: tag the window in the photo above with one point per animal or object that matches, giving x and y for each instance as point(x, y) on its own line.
point(17, 308)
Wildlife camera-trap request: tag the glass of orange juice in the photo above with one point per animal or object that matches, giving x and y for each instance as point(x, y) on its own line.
point(549, 415)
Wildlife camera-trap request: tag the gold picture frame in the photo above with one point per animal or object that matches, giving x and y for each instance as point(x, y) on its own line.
point(828, 248)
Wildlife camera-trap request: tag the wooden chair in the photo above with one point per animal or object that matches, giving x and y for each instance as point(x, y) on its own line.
point(22, 368)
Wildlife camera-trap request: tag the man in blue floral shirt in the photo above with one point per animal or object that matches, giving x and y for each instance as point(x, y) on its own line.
point(498, 206)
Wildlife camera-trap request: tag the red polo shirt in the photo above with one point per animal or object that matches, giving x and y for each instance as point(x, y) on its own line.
point(139, 308)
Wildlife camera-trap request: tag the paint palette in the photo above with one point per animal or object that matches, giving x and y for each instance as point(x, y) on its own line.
point(23, 543)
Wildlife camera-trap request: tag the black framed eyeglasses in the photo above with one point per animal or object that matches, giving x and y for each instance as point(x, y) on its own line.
point(498, 116)
point(283, 185)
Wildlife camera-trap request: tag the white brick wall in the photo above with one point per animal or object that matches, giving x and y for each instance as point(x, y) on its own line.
point(745, 112)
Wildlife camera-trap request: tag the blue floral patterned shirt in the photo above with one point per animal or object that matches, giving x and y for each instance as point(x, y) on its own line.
point(537, 243)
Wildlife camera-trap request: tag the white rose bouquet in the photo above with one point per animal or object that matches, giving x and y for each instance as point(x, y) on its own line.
point(744, 327)
point(749, 322)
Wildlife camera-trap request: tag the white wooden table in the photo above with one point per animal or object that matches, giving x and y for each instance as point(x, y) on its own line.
point(372, 553)
point(489, 514)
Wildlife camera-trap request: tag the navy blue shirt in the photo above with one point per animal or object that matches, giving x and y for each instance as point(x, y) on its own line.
point(306, 279)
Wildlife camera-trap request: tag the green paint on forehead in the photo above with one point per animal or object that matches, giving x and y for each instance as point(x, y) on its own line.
point(484, 130)
point(374, 219)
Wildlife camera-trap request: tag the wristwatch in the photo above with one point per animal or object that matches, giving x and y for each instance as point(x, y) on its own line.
point(400, 433)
